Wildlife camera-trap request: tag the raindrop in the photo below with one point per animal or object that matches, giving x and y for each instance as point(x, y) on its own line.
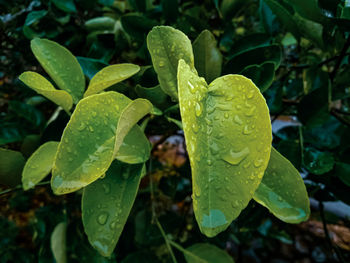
point(198, 109)
point(258, 162)
point(102, 218)
point(235, 158)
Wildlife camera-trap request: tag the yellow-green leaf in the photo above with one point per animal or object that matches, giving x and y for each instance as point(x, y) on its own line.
point(87, 145)
point(61, 65)
point(282, 190)
point(135, 147)
point(109, 76)
point(42, 86)
point(207, 57)
point(106, 205)
point(167, 46)
point(39, 164)
point(131, 114)
point(228, 136)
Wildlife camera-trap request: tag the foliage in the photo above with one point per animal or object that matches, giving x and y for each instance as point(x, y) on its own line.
point(128, 72)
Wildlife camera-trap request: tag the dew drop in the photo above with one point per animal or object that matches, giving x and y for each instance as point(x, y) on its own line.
point(258, 162)
point(198, 109)
point(235, 158)
point(102, 218)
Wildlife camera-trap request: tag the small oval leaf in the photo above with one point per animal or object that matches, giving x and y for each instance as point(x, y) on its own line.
point(206, 253)
point(207, 57)
point(61, 65)
point(39, 164)
point(58, 243)
point(135, 147)
point(131, 114)
point(42, 86)
point(228, 135)
point(167, 45)
point(109, 76)
point(11, 166)
point(282, 190)
point(87, 145)
point(106, 205)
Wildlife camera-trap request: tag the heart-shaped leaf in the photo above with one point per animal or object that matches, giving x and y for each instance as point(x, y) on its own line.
point(282, 190)
point(109, 76)
point(39, 164)
point(61, 65)
point(207, 57)
point(106, 205)
point(41, 85)
point(228, 136)
point(166, 46)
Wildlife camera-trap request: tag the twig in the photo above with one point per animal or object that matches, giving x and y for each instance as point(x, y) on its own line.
point(325, 229)
point(340, 59)
point(154, 215)
point(19, 187)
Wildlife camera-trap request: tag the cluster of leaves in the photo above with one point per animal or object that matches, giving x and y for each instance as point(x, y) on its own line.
point(298, 59)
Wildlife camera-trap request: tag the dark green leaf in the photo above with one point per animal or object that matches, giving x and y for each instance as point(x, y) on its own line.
point(11, 166)
point(318, 162)
point(262, 75)
point(206, 253)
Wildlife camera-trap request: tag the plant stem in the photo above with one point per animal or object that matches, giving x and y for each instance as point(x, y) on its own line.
point(154, 215)
point(19, 187)
point(325, 229)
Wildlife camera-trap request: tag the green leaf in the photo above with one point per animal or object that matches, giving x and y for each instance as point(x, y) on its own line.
point(42, 86)
point(282, 190)
point(207, 57)
point(58, 243)
point(167, 46)
point(27, 112)
point(11, 166)
point(262, 75)
point(106, 205)
point(342, 171)
point(135, 147)
point(109, 76)
point(91, 66)
point(100, 23)
point(93, 137)
point(206, 253)
point(255, 56)
point(131, 114)
point(308, 9)
point(61, 65)
point(250, 42)
point(284, 16)
point(34, 17)
point(154, 94)
point(137, 26)
point(65, 5)
point(87, 145)
point(39, 165)
point(318, 162)
point(228, 135)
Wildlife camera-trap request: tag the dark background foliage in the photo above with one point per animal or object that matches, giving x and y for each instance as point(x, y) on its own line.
point(308, 97)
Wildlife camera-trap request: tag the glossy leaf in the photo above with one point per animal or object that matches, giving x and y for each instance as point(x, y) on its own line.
point(39, 165)
point(282, 190)
point(65, 5)
point(318, 162)
point(255, 56)
point(61, 65)
point(11, 166)
point(135, 147)
point(228, 136)
point(154, 94)
point(91, 66)
point(58, 243)
point(109, 76)
point(87, 145)
point(206, 253)
point(262, 75)
point(167, 46)
point(250, 42)
point(131, 114)
point(106, 205)
point(207, 57)
point(42, 86)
